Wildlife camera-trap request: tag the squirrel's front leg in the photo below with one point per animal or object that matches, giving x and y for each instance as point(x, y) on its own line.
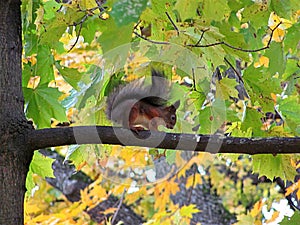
point(133, 117)
point(153, 124)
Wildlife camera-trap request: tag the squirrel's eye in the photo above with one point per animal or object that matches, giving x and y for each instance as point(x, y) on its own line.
point(173, 117)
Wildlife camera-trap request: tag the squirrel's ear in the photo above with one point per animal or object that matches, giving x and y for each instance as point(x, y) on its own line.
point(176, 104)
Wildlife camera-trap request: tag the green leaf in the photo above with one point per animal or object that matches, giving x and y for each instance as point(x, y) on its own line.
point(274, 166)
point(97, 84)
point(256, 14)
point(53, 32)
point(295, 5)
point(253, 37)
point(215, 10)
point(76, 154)
point(30, 43)
point(41, 165)
point(125, 12)
point(290, 108)
point(159, 7)
point(281, 8)
point(29, 182)
point(170, 157)
point(115, 36)
point(253, 120)
point(226, 88)
point(292, 38)
point(72, 76)
point(44, 65)
point(83, 153)
point(236, 5)
point(198, 99)
point(42, 104)
point(56, 25)
point(212, 118)
point(186, 9)
point(26, 74)
point(90, 28)
point(29, 8)
point(233, 37)
point(292, 220)
point(260, 84)
point(215, 54)
point(51, 8)
point(277, 58)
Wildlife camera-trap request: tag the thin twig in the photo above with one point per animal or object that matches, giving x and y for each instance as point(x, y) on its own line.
point(79, 31)
point(236, 72)
point(151, 41)
point(194, 82)
point(272, 32)
point(175, 27)
point(189, 197)
point(100, 3)
point(119, 207)
point(88, 12)
point(200, 39)
point(138, 23)
point(238, 48)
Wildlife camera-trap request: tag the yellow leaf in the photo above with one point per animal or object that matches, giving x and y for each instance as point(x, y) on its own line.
point(257, 208)
point(193, 180)
point(33, 82)
point(162, 192)
point(296, 186)
point(187, 211)
point(244, 220)
point(279, 33)
point(257, 222)
point(81, 165)
point(120, 189)
point(110, 211)
point(262, 61)
point(39, 18)
point(274, 20)
point(274, 97)
point(273, 218)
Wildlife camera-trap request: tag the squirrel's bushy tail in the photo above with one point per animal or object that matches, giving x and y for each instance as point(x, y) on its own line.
point(120, 101)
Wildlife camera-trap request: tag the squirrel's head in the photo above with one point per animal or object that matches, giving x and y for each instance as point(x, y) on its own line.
point(170, 115)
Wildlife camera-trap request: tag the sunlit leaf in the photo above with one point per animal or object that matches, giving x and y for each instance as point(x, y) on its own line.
point(226, 89)
point(41, 165)
point(187, 211)
point(186, 9)
point(42, 105)
point(274, 166)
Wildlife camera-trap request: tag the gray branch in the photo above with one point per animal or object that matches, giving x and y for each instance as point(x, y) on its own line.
point(52, 137)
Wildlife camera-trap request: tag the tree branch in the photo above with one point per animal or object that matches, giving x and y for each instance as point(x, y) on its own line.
point(233, 47)
point(52, 137)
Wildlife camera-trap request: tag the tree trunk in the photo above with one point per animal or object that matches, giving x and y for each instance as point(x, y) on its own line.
point(15, 155)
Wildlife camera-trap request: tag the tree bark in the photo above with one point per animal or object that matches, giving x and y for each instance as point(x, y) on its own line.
point(15, 155)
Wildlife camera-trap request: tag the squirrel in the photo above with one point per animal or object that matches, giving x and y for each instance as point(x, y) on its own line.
point(136, 106)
